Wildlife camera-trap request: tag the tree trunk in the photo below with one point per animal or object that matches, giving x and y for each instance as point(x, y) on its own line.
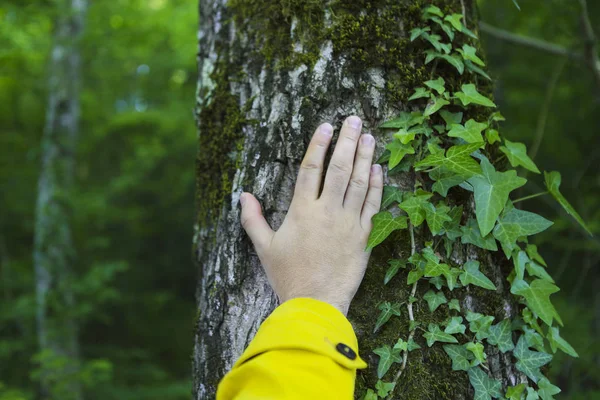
point(270, 72)
point(53, 248)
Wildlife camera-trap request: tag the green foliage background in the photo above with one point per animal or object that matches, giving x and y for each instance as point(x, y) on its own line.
point(134, 209)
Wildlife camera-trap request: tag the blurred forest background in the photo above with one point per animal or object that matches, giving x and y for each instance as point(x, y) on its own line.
point(132, 219)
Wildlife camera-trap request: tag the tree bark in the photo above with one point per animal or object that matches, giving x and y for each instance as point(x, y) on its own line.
point(53, 248)
point(270, 72)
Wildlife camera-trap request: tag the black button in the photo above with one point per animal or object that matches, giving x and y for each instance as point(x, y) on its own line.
point(346, 350)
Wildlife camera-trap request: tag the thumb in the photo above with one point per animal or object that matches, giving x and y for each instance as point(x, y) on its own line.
point(254, 223)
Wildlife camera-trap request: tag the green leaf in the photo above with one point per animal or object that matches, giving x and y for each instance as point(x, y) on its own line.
point(444, 180)
point(492, 136)
point(491, 190)
point(472, 275)
point(452, 277)
point(384, 388)
point(532, 394)
point(414, 206)
point(477, 350)
point(432, 10)
point(485, 387)
point(553, 180)
point(387, 356)
point(437, 85)
point(517, 155)
point(420, 92)
point(530, 319)
point(497, 117)
point(517, 223)
point(393, 269)
point(501, 336)
point(537, 295)
point(391, 195)
point(455, 21)
point(414, 276)
point(471, 234)
point(401, 345)
point(479, 324)
point(434, 334)
point(397, 152)
point(412, 345)
point(454, 305)
point(418, 32)
point(384, 224)
point(515, 392)
point(460, 357)
point(547, 390)
point(434, 300)
point(470, 132)
point(455, 61)
point(457, 159)
point(436, 217)
point(455, 326)
point(470, 66)
point(517, 5)
point(370, 395)
point(532, 252)
point(435, 106)
point(437, 282)
point(451, 118)
point(404, 121)
point(387, 310)
point(557, 342)
point(470, 95)
point(534, 339)
point(530, 361)
point(469, 53)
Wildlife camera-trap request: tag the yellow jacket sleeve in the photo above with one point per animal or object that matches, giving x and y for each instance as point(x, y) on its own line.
point(306, 349)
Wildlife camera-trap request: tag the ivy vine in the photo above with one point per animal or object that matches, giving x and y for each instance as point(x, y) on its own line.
point(447, 153)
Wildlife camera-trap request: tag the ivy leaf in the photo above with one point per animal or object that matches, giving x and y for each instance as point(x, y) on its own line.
point(470, 66)
point(454, 305)
point(517, 155)
point(531, 320)
point(437, 85)
point(452, 277)
point(492, 136)
point(472, 235)
point(391, 194)
point(444, 180)
point(485, 387)
point(455, 326)
point(535, 269)
point(418, 32)
point(557, 342)
point(530, 361)
point(414, 276)
point(370, 395)
point(384, 224)
point(437, 282)
point(501, 336)
point(537, 295)
point(434, 334)
point(436, 217)
point(515, 392)
point(472, 275)
point(516, 223)
point(492, 189)
point(432, 10)
point(477, 350)
point(460, 357)
point(455, 21)
point(451, 118)
point(387, 310)
point(547, 390)
point(532, 394)
point(393, 269)
point(420, 92)
point(387, 356)
point(457, 159)
point(479, 324)
point(404, 121)
point(397, 152)
point(401, 345)
point(435, 106)
point(412, 345)
point(532, 252)
point(434, 300)
point(445, 27)
point(534, 339)
point(470, 132)
point(470, 95)
point(469, 53)
point(553, 180)
point(415, 206)
point(453, 59)
point(384, 388)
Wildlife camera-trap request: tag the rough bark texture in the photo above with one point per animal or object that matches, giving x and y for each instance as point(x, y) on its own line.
point(53, 251)
point(270, 72)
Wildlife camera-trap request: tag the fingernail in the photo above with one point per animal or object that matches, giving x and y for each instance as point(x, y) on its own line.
point(326, 129)
point(242, 199)
point(375, 168)
point(354, 122)
point(367, 139)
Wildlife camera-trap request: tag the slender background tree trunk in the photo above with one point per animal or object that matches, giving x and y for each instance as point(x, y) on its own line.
point(53, 252)
point(270, 72)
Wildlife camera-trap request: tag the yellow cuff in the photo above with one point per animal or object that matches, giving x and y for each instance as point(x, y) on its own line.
point(307, 324)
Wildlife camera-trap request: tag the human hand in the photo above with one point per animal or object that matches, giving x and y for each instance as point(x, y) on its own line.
point(319, 250)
